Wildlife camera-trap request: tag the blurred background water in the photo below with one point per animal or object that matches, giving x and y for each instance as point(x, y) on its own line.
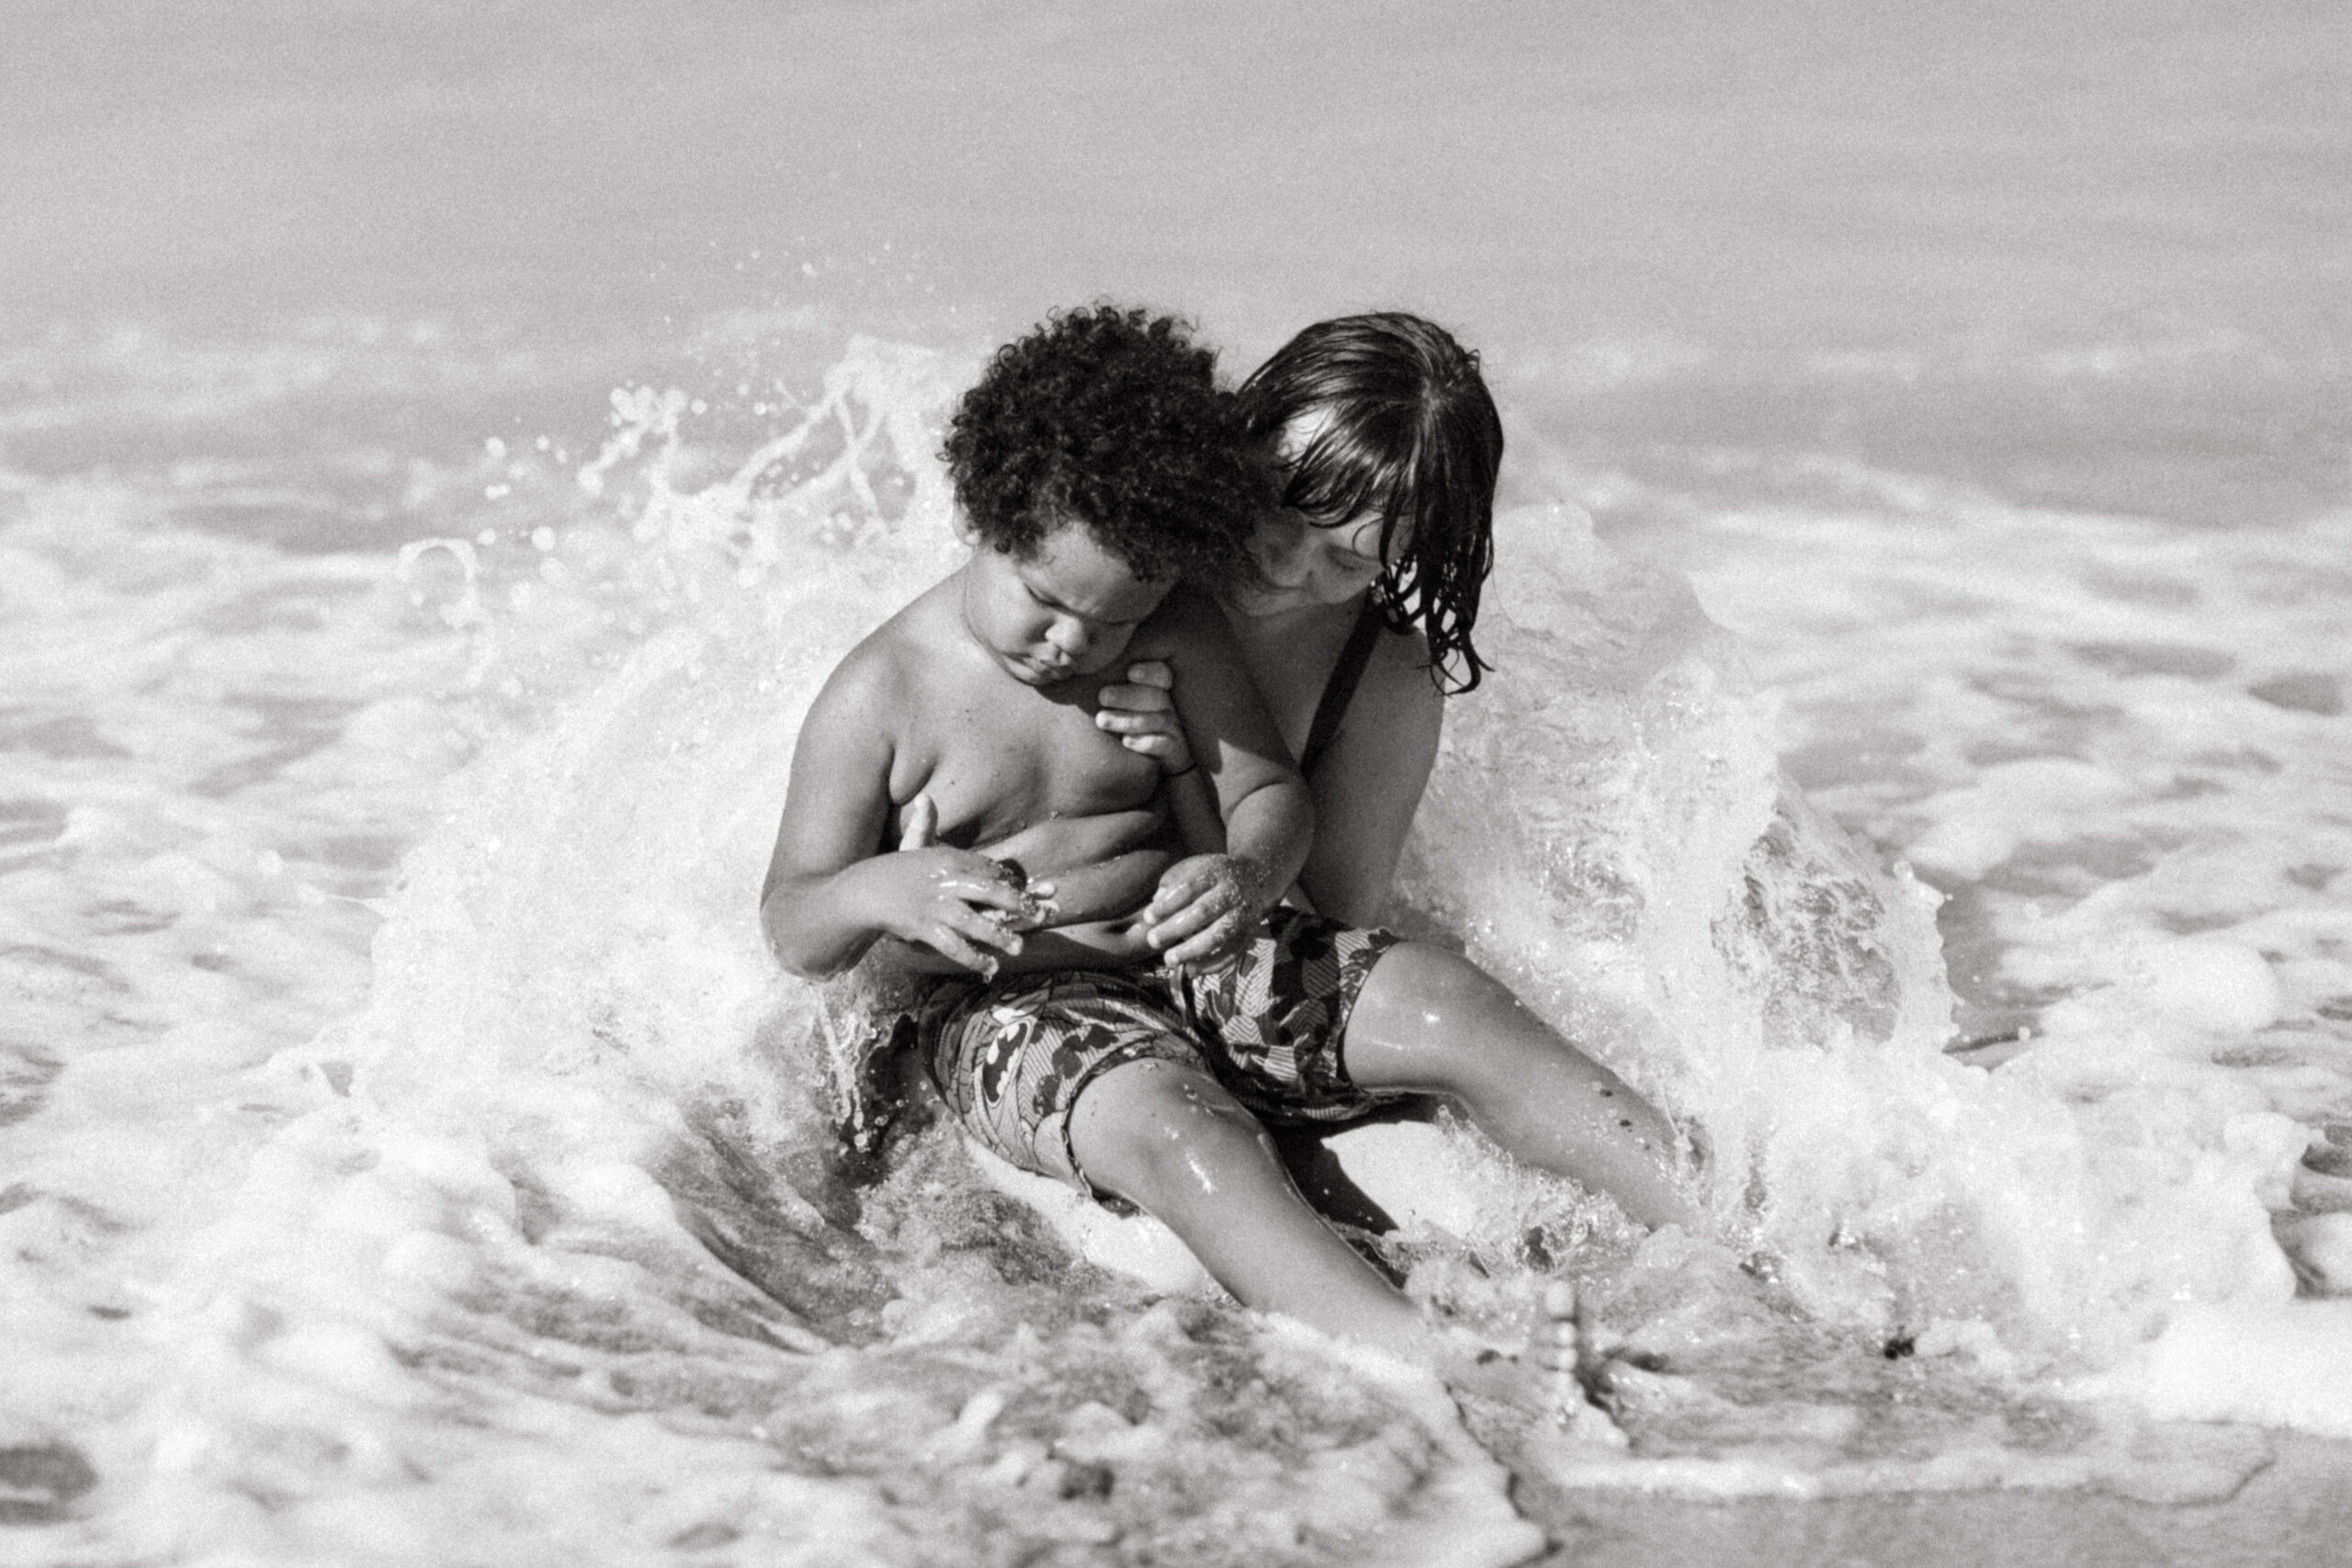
point(441, 445)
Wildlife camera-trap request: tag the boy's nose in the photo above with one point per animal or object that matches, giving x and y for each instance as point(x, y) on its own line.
point(1070, 636)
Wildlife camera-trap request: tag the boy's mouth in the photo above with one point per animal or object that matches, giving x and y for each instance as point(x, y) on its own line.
point(1048, 672)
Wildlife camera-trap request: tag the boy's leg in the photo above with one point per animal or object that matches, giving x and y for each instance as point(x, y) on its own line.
point(1170, 1139)
point(1088, 1079)
point(1431, 1022)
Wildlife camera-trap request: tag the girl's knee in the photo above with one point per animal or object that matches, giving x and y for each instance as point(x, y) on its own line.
point(1430, 1021)
point(1430, 996)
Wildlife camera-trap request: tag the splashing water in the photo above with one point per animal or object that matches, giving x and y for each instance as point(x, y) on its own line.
point(494, 1206)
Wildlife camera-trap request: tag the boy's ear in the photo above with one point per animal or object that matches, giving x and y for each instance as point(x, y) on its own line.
point(965, 532)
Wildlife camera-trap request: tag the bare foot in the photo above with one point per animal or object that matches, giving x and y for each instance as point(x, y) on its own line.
point(2323, 1180)
point(2320, 1247)
point(1554, 1378)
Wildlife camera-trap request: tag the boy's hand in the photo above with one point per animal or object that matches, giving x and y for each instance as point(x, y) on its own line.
point(952, 900)
point(1206, 910)
point(962, 905)
point(1143, 715)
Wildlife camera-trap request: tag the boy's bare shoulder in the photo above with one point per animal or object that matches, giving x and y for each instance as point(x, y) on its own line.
point(880, 678)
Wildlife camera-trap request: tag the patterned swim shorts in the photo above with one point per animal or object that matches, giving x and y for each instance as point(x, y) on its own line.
point(1011, 1055)
point(1276, 1017)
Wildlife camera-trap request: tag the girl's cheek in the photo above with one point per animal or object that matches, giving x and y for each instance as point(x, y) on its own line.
point(1277, 547)
point(1342, 573)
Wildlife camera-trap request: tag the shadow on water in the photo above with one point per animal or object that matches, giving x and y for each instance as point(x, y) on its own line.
point(2302, 1498)
point(781, 1215)
point(40, 1482)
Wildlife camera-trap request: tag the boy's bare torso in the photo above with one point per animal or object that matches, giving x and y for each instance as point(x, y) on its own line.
point(929, 740)
point(1004, 762)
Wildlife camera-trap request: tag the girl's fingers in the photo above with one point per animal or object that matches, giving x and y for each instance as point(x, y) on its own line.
point(1131, 723)
point(1136, 698)
point(922, 824)
point(1156, 674)
point(1152, 735)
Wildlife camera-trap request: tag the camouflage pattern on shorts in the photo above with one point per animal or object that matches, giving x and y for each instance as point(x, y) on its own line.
point(1011, 1055)
point(1275, 1019)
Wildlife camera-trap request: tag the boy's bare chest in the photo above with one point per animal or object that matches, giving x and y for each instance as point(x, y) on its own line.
point(997, 762)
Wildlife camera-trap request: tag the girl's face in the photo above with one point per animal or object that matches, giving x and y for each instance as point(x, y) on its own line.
point(1301, 565)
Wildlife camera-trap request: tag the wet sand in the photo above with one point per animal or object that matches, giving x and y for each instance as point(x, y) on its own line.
point(2296, 1510)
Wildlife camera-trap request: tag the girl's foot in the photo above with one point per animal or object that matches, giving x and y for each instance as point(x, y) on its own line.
point(1555, 1379)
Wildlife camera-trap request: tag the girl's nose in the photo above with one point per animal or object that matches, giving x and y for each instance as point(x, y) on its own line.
point(1069, 636)
point(1283, 556)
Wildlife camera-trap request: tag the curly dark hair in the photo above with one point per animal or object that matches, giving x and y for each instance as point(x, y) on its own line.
point(1113, 417)
point(1409, 430)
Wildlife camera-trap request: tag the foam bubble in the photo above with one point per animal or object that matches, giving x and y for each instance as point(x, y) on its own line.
point(2286, 1365)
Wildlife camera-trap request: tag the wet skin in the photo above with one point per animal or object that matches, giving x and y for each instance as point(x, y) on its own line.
point(974, 705)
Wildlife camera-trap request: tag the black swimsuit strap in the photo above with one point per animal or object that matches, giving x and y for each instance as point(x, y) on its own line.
point(1340, 689)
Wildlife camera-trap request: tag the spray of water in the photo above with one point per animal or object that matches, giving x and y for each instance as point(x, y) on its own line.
point(570, 1184)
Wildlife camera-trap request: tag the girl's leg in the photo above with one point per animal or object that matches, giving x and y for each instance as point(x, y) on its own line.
point(1170, 1139)
point(1430, 1021)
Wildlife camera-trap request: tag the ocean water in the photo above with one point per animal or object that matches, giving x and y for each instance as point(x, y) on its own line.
point(442, 448)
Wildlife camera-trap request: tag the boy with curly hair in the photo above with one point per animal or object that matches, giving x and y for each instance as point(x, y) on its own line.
point(1107, 1003)
point(1096, 467)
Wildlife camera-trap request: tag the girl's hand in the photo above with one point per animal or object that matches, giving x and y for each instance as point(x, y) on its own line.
point(1206, 910)
point(1143, 715)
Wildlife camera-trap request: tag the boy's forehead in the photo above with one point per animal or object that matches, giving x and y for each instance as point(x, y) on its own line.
point(1080, 572)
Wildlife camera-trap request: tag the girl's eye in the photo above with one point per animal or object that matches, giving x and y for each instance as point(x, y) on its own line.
point(1363, 541)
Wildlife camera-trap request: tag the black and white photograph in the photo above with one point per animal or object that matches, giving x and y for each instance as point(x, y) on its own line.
point(1175, 783)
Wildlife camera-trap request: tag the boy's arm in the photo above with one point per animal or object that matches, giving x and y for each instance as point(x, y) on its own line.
point(829, 893)
point(1192, 806)
point(1211, 902)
